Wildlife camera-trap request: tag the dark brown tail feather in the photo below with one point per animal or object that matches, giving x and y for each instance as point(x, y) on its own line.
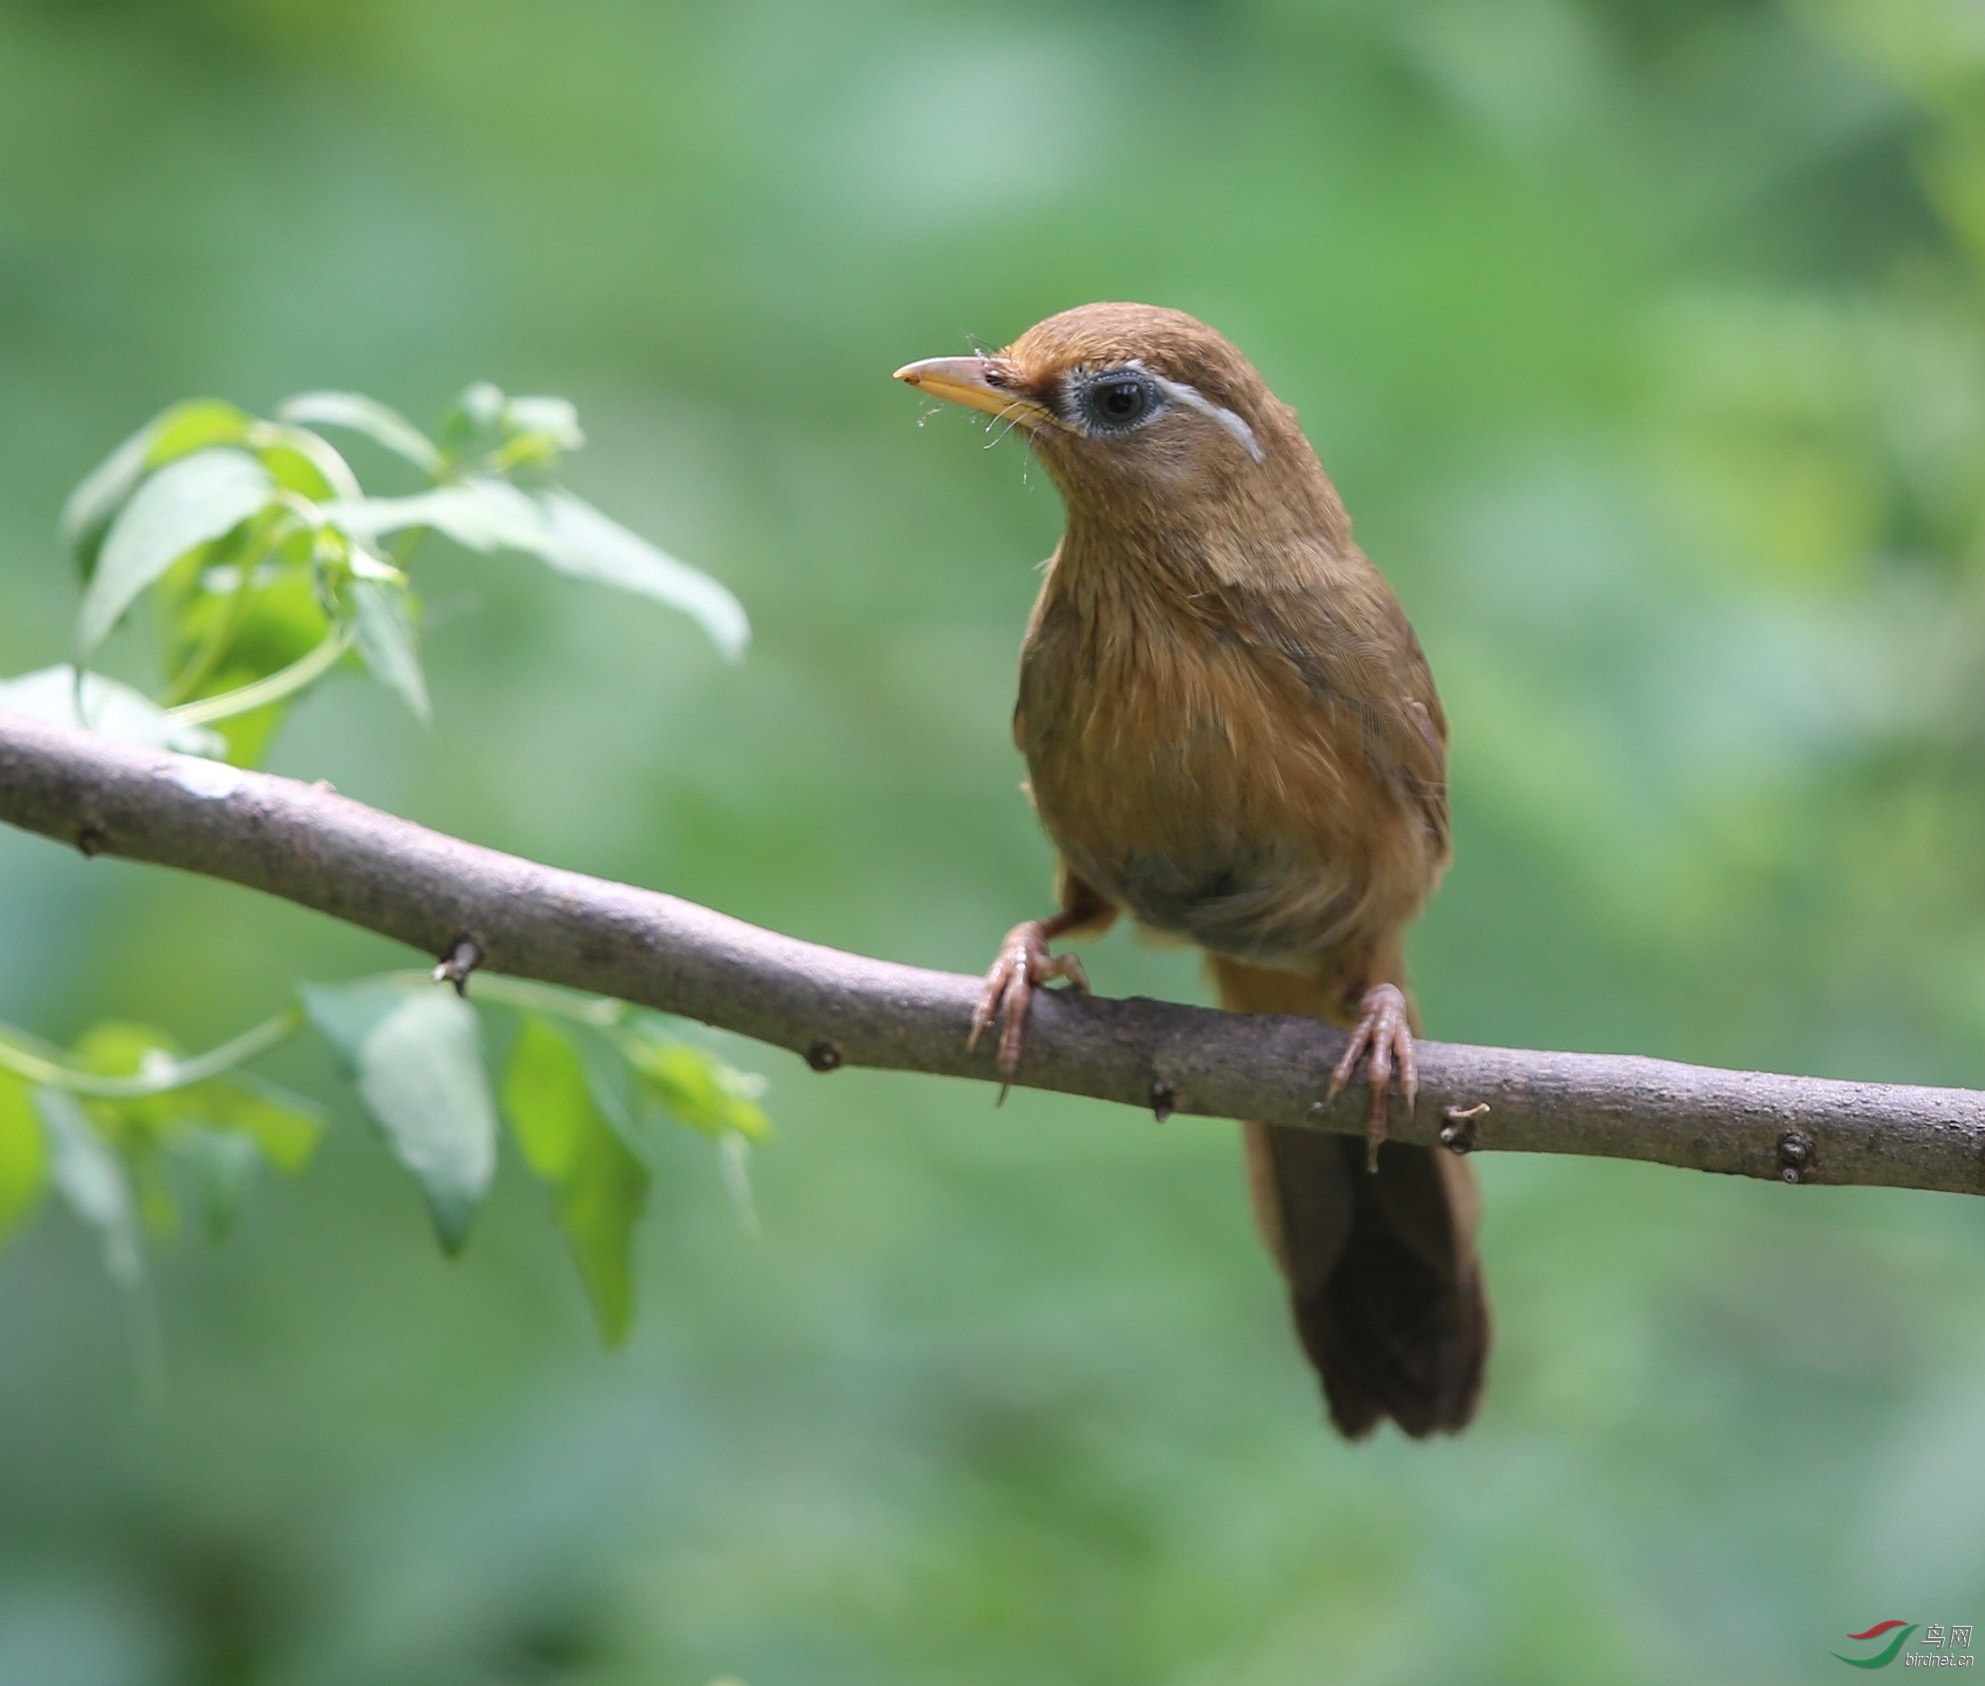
point(1383, 1280)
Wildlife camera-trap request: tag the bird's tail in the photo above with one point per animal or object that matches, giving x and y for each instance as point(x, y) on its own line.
point(1383, 1279)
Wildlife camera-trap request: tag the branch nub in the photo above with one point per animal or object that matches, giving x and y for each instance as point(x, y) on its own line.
point(1795, 1156)
point(458, 963)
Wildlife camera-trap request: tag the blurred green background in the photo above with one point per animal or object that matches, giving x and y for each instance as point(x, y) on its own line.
point(1647, 345)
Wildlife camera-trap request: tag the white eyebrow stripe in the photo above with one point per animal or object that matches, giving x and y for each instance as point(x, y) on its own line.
point(1193, 398)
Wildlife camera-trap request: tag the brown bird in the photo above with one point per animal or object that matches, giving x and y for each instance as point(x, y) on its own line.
point(1232, 736)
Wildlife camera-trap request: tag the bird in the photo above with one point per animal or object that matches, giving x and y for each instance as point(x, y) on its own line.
point(1233, 738)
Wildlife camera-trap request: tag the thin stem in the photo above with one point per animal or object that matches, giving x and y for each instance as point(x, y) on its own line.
point(173, 1074)
point(285, 682)
point(219, 636)
point(261, 539)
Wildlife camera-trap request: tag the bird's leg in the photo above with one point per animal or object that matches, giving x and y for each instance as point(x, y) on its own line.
point(1384, 1032)
point(1024, 963)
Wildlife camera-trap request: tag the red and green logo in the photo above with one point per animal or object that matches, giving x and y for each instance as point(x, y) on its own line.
point(1886, 1655)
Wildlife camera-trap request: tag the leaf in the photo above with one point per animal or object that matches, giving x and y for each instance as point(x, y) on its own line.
point(589, 546)
point(697, 1088)
point(566, 533)
point(383, 629)
point(554, 420)
point(216, 1130)
point(416, 1055)
point(109, 709)
point(89, 1178)
point(508, 433)
point(380, 423)
point(302, 462)
point(267, 1120)
point(177, 432)
point(478, 514)
point(533, 433)
point(478, 410)
point(602, 1187)
point(23, 1154)
point(187, 503)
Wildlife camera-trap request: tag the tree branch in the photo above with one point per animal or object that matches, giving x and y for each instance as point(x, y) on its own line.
point(311, 846)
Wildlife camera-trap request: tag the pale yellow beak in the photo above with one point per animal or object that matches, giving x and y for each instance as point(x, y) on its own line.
point(981, 383)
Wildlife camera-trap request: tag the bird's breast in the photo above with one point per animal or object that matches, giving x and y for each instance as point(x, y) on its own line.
point(1194, 780)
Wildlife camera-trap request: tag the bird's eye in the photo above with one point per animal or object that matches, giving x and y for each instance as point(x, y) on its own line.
point(1119, 401)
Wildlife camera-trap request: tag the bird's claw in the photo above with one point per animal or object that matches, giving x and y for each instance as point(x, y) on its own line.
point(1024, 964)
point(1384, 1033)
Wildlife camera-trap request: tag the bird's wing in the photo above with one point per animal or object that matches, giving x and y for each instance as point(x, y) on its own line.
point(1355, 652)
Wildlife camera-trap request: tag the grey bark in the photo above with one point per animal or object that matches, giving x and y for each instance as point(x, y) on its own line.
point(308, 845)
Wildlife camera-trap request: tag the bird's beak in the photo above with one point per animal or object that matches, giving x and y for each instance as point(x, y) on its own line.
point(982, 383)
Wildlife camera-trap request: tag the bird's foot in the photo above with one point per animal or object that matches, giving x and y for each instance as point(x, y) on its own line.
point(1383, 1033)
point(1024, 964)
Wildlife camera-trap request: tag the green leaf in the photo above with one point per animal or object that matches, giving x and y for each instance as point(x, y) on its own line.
point(378, 422)
point(89, 1178)
point(303, 463)
point(697, 1088)
point(601, 1186)
point(564, 532)
point(388, 644)
point(23, 1154)
point(478, 514)
point(416, 1055)
point(505, 433)
point(589, 546)
point(109, 709)
point(477, 413)
point(253, 1118)
point(188, 503)
point(555, 420)
point(535, 433)
point(178, 432)
point(193, 426)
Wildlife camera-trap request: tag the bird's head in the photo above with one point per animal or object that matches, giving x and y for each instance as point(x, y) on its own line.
point(1132, 406)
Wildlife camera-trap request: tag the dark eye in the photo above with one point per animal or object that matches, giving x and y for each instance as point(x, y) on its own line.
point(1115, 402)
